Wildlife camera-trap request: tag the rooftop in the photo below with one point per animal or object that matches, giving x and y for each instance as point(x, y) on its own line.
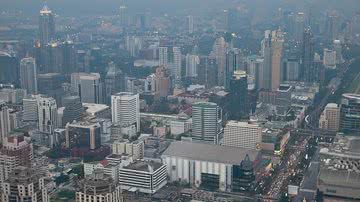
point(93, 108)
point(209, 152)
point(147, 166)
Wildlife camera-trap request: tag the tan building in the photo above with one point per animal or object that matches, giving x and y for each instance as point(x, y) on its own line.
point(330, 118)
point(277, 41)
point(242, 134)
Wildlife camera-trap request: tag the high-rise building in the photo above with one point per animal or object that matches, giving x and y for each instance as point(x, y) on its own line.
point(14, 152)
point(25, 184)
point(46, 26)
point(206, 122)
point(332, 25)
point(338, 50)
point(207, 71)
point(329, 59)
point(83, 135)
point(9, 68)
point(238, 95)
point(292, 69)
point(162, 82)
point(219, 51)
point(177, 63)
point(125, 109)
point(47, 113)
point(73, 109)
point(114, 82)
point(69, 57)
point(255, 68)
point(28, 75)
point(87, 86)
point(299, 27)
point(123, 14)
point(30, 108)
point(163, 56)
point(277, 41)
point(98, 187)
point(5, 127)
point(265, 74)
point(242, 134)
point(233, 60)
point(309, 70)
point(190, 24)
point(330, 118)
point(350, 114)
point(50, 84)
point(192, 62)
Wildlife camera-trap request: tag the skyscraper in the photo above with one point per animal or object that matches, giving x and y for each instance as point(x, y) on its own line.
point(233, 60)
point(46, 26)
point(292, 69)
point(125, 109)
point(5, 127)
point(114, 82)
point(28, 77)
point(330, 118)
point(238, 96)
point(177, 63)
point(192, 62)
point(266, 47)
point(30, 108)
point(207, 71)
point(163, 56)
point(88, 87)
point(277, 41)
point(9, 69)
point(299, 27)
point(309, 70)
point(338, 50)
point(219, 51)
point(190, 24)
point(206, 122)
point(47, 114)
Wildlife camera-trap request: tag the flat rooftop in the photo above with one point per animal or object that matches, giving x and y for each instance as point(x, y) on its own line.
point(147, 166)
point(92, 108)
point(209, 152)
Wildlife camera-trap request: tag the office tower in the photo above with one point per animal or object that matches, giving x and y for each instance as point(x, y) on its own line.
point(255, 68)
point(30, 109)
point(207, 71)
point(177, 63)
point(25, 184)
point(69, 57)
point(190, 24)
point(125, 109)
point(332, 25)
point(162, 82)
point(88, 87)
point(9, 68)
point(133, 45)
point(114, 82)
point(46, 26)
point(338, 50)
point(219, 51)
point(163, 56)
point(238, 95)
point(4, 121)
point(15, 152)
point(277, 41)
point(350, 114)
point(329, 59)
point(242, 134)
point(73, 109)
point(292, 68)
point(50, 84)
point(123, 14)
point(47, 114)
point(145, 176)
point(83, 135)
point(266, 53)
point(233, 63)
point(82, 61)
point(309, 70)
point(99, 187)
point(192, 62)
point(28, 75)
point(299, 27)
point(206, 122)
point(96, 60)
point(330, 118)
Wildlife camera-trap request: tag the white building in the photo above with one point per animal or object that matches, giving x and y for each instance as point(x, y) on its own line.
point(330, 118)
point(47, 114)
point(180, 126)
point(329, 59)
point(192, 62)
point(192, 163)
point(176, 72)
point(242, 134)
point(30, 109)
point(143, 176)
point(163, 56)
point(134, 149)
point(28, 79)
point(5, 127)
point(125, 109)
